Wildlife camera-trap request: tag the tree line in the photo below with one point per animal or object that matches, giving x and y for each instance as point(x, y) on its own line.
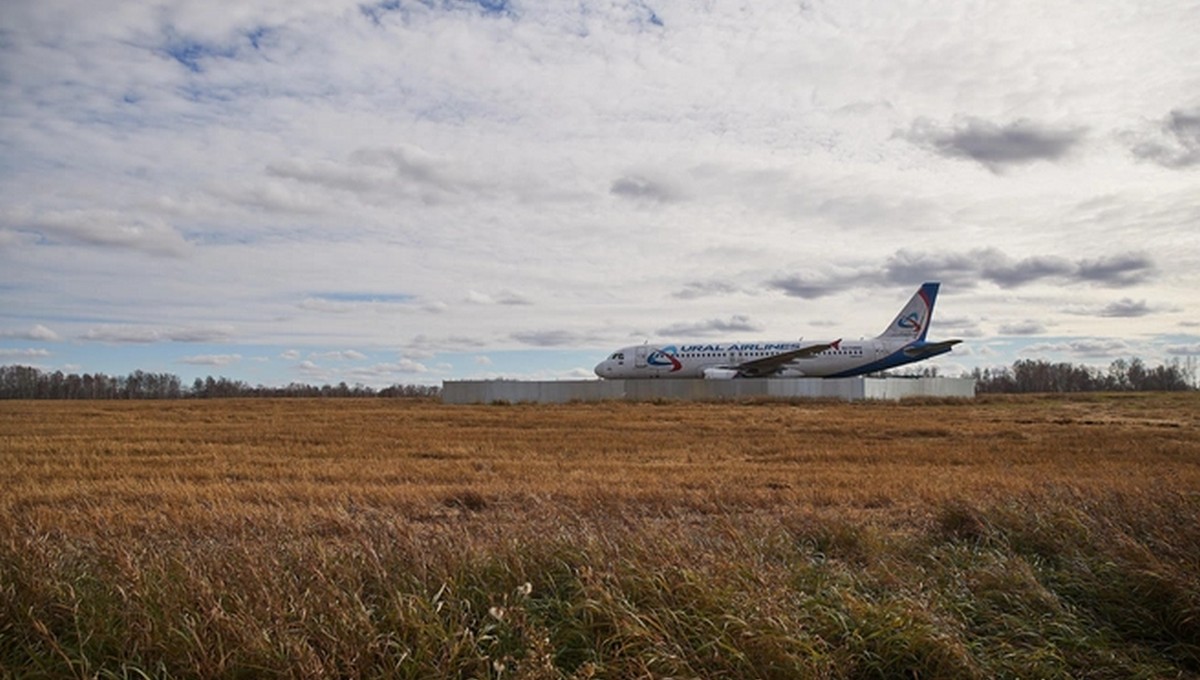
point(1025, 375)
point(1133, 375)
point(26, 382)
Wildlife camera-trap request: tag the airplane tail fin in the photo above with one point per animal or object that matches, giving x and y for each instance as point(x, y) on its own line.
point(913, 321)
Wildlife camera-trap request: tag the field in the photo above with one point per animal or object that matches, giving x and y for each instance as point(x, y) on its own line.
point(1005, 537)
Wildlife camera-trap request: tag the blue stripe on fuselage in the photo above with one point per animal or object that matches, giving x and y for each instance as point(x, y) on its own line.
point(897, 358)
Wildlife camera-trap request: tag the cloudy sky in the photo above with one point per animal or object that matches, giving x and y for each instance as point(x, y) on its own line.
point(406, 192)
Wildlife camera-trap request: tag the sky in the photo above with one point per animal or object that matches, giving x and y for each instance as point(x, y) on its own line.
point(310, 191)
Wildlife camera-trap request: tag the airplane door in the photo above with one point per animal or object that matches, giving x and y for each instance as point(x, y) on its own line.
point(878, 350)
point(639, 356)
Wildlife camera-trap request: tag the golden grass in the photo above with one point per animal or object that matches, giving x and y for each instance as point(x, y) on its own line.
point(1008, 536)
point(163, 464)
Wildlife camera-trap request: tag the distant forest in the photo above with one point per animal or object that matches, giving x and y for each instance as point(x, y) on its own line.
point(1026, 375)
point(1035, 375)
point(25, 382)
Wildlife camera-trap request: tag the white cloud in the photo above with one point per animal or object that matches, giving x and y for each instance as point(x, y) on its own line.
point(37, 332)
point(31, 353)
point(997, 146)
point(699, 289)
point(1027, 327)
point(211, 359)
point(736, 324)
point(102, 228)
point(311, 371)
point(1126, 307)
point(500, 297)
point(149, 334)
point(341, 355)
point(1084, 348)
point(386, 373)
point(1184, 350)
point(405, 365)
point(1176, 142)
point(437, 177)
point(550, 338)
point(328, 306)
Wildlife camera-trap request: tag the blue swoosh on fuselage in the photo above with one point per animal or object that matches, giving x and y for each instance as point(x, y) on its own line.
point(897, 358)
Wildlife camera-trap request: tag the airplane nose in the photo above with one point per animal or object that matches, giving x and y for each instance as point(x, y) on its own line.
point(600, 368)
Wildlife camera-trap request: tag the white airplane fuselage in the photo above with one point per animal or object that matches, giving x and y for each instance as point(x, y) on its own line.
point(693, 360)
point(903, 342)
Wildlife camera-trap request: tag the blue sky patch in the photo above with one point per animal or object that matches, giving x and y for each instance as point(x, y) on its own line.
point(493, 6)
point(376, 11)
point(192, 54)
point(258, 36)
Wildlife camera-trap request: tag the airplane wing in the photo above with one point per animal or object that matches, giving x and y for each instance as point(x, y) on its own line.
point(930, 349)
point(768, 365)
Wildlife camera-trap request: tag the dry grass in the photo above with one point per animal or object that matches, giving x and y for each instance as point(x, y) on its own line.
point(1004, 537)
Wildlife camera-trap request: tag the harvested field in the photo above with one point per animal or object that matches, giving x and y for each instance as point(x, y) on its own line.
point(1003, 537)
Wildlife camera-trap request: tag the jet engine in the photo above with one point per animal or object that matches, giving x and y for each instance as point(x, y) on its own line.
point(720, 373)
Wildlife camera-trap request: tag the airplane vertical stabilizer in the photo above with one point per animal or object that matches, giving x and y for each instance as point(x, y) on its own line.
point(913, 321)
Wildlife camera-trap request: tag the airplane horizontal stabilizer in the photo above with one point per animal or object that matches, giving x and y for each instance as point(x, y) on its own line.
point(930, 349)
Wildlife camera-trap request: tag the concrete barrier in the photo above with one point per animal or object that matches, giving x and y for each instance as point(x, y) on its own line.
point(565, 391)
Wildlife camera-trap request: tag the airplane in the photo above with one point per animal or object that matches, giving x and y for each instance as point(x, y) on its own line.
point(902, 342)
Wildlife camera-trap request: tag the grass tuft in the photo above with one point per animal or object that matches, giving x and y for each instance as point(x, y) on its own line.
point(958, 520)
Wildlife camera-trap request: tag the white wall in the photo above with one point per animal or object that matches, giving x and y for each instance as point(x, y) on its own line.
point(564, 391)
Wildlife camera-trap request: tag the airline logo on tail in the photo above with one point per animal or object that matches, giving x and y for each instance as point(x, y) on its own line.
point(912, 322)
